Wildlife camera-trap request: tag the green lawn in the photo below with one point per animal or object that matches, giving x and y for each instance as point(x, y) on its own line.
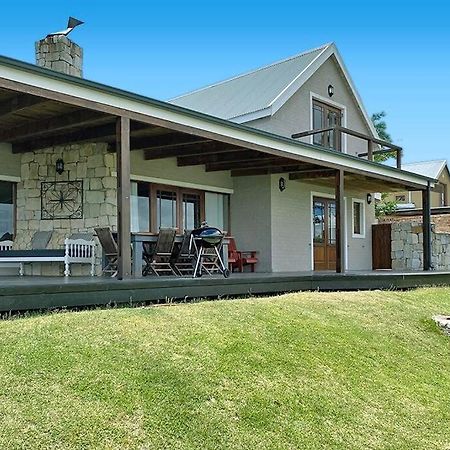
point(366, 370)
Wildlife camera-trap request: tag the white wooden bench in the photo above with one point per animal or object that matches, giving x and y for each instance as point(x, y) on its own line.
point(76, 251)
point(5, 245)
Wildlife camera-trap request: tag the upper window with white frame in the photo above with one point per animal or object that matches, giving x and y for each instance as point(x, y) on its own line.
point(358, 218)
point(326, 116)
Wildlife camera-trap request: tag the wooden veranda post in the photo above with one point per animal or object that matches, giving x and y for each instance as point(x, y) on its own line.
point(426, 220)
point(123, 197)
point(340, 222)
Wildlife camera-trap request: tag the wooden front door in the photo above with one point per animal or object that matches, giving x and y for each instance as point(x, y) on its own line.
point(381, 246)
point(324, 233)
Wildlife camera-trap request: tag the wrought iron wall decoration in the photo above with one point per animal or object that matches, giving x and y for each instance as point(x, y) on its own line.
point(61, 200)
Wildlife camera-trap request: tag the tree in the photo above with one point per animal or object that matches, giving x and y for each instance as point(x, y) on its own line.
point(381, 127)
point(385, 206)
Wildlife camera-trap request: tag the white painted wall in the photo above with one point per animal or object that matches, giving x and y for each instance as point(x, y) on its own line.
point(251, 217)
point(295, 115)
point(9, 162)
point(360, 249)
point(167, 169)
point(291, 227)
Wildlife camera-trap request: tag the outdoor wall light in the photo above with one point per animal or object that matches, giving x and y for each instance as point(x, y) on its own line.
point(369, 199)
point(281, 184)
point(59, 166)
point(330, 90)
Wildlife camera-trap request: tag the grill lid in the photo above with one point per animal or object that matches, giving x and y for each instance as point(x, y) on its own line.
point(208, 236)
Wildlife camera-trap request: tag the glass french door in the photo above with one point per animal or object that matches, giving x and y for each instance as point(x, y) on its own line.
point(324, 233)
point(191, 210)
point(326, 116)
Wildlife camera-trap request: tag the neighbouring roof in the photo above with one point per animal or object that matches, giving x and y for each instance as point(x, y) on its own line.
point(431, 169)
point(262, 92)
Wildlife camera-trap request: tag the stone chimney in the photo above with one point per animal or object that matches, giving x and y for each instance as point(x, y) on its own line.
point(61, 54)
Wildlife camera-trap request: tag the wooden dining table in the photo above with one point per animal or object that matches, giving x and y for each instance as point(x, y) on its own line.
point(137, 238)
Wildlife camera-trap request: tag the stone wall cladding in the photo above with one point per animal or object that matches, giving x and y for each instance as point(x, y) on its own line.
point(91, 163)
point(407, 247)
point(61, 54)
point(440, 221)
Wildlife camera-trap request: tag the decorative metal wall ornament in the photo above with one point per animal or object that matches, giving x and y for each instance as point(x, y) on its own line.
point(61, 200)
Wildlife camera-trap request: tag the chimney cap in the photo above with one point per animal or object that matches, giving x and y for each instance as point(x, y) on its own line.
point(71, 24)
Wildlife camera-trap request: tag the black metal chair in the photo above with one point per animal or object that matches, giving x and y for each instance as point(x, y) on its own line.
point(110, 250)
point(158, 258)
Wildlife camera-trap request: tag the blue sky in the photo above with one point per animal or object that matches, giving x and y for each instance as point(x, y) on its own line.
point(396, 51)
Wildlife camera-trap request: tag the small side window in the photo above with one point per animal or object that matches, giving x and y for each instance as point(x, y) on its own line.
point(358, 219)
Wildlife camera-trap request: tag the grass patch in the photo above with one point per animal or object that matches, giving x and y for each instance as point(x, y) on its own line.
point(362, 370)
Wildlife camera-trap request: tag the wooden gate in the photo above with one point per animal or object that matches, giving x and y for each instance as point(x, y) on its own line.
point(381, 246)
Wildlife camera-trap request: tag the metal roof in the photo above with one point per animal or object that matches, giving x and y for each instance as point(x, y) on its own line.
point(249, 92)
point(42, 79)
point(431, 169)
point(264, 91)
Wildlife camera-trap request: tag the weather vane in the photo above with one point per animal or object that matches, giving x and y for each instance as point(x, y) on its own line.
point(71, 25)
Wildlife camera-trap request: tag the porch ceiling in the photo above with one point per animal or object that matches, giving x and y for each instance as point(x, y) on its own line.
point(30, 122)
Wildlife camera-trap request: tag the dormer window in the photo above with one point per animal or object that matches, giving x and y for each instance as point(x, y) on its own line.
point(326, 116)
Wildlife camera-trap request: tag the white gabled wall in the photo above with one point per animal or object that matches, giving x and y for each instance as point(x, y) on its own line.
point(295, 115)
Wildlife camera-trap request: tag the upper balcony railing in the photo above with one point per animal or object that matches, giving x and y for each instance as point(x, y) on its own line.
point(384, 147)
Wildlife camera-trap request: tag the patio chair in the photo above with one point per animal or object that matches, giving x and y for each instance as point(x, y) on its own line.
point(158, 258)
point(182, 256)
point(110, 250)
point(237, 259)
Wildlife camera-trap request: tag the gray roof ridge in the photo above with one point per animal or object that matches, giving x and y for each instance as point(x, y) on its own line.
point(244, 74)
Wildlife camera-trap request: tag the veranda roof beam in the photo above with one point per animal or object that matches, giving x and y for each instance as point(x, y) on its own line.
point(19, 103)
point(206, 148)
point(261, 164)
point(42, 127)
point(272, 170)
point(102, 133)
point(231, 157)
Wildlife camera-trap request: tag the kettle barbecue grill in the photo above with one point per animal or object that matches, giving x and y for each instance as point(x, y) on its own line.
point(207, 242)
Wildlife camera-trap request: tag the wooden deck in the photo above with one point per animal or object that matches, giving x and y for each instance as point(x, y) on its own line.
point(28, 293)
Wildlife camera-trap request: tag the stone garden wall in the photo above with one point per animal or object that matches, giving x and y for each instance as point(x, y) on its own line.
point(441, 221)
point(407, 247)
point(90, 163)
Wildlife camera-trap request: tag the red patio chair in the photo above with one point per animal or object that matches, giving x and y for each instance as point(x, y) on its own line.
point(238, 259)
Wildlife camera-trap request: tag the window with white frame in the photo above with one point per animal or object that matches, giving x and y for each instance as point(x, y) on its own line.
point(358, 222)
